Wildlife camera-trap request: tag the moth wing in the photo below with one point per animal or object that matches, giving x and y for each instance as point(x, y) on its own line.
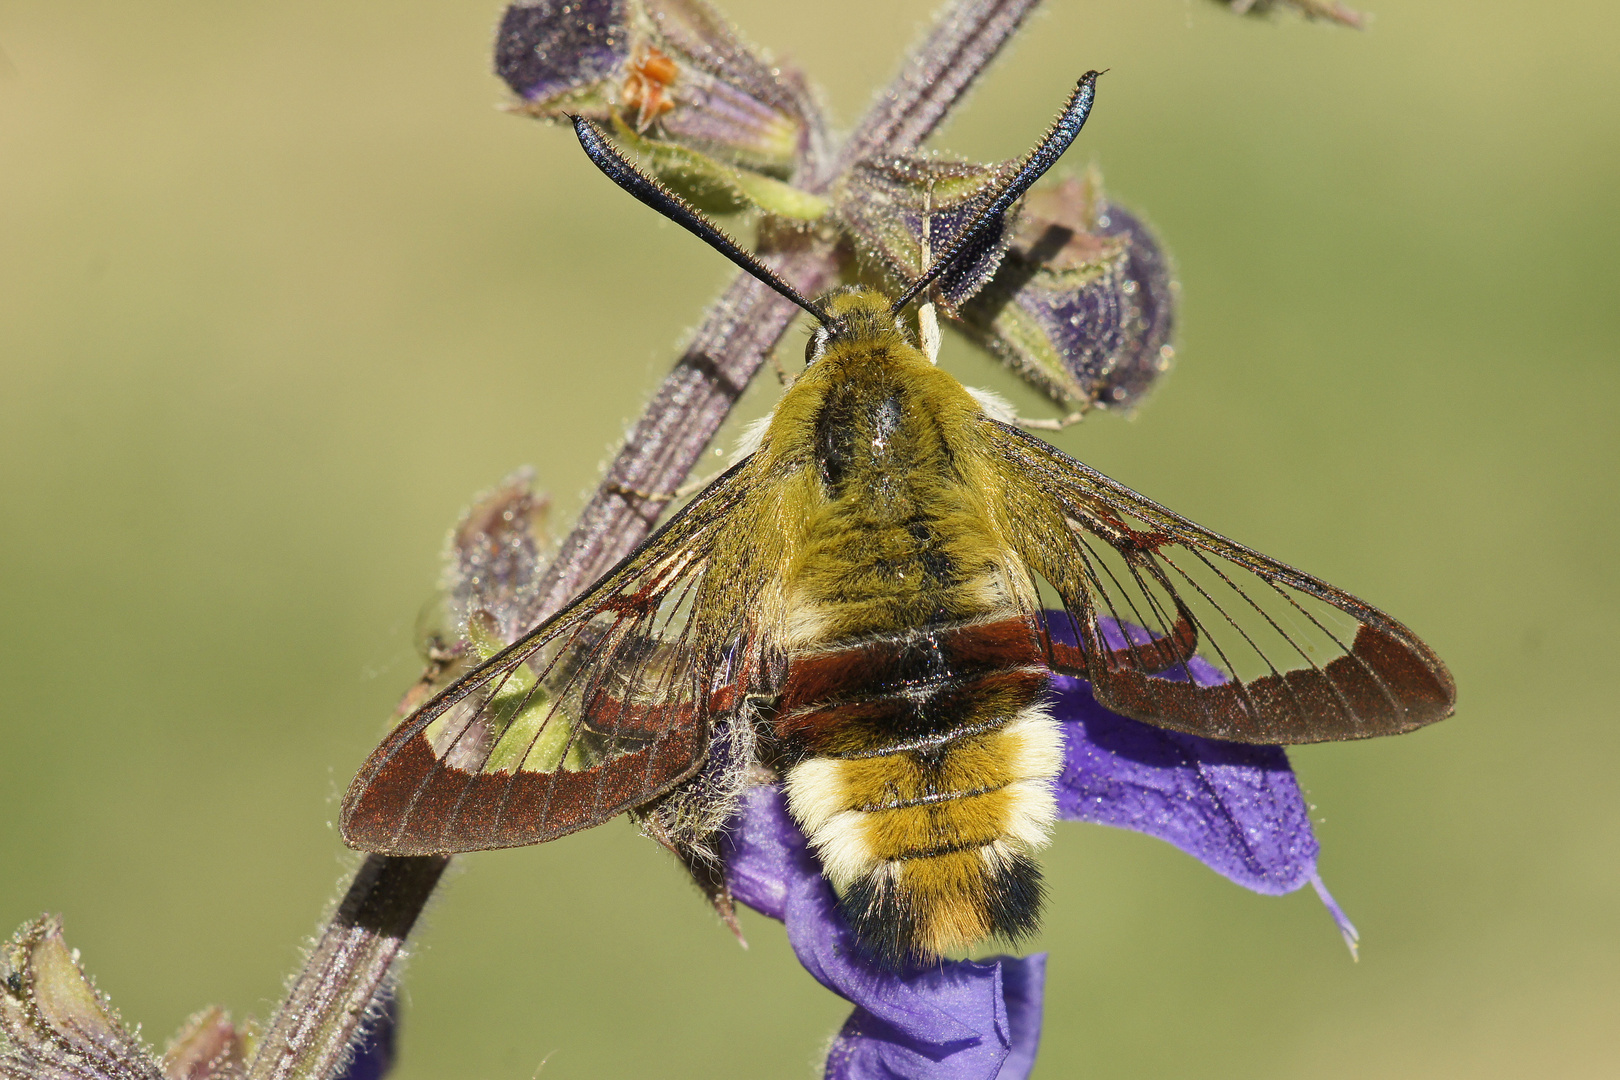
point(1180, 627)
point(601, 708)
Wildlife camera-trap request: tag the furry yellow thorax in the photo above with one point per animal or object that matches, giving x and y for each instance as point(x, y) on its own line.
point(885, 485)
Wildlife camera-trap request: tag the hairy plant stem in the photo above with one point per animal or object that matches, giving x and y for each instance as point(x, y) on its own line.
point(347, 971)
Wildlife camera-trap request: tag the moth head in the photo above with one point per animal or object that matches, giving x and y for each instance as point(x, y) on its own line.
point(852, 312)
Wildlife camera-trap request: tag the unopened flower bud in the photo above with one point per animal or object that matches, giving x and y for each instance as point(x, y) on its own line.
point(1083, 307)
point(672, 71)
point(903, 212)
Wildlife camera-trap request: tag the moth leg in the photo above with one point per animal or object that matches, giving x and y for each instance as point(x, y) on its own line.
point(691, 487)
point(704, 865)
point(1044, 424)
point(928, 328)
point(999, 408)
point(782, 375)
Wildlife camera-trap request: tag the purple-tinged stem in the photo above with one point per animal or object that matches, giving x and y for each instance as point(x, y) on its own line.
point(347, 970)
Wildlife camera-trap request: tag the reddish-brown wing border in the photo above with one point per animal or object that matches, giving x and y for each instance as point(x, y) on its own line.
point(1120, 560)
point(411, 798)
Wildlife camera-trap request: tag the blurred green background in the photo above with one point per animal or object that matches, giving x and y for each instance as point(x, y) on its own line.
point(280, 290)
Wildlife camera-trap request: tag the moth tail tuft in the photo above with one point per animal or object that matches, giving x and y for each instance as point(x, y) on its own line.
point(915, 911)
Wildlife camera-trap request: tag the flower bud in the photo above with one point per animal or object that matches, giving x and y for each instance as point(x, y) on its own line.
point(902, 212)
point(496, 554)
point(1083, 307)
point(672, 71)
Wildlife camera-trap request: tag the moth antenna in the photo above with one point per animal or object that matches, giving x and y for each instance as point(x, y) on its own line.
point(619, 169)
point(1056, 140)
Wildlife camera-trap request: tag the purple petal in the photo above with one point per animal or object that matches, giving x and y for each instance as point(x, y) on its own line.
point(1347, 929)
point(866, 1048)
point(961, 1020)
point(1234, 807)
point(1024, 983)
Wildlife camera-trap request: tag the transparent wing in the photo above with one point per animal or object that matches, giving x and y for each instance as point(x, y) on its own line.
point(599, 709)
point(1180, 627)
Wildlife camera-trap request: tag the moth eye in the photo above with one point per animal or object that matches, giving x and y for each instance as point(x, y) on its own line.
point(815, 346)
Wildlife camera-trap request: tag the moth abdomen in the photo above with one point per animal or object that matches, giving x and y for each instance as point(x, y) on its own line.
point(925, 797)
point(914, 912)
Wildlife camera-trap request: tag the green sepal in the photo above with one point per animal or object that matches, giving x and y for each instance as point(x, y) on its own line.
point(902, 212)
point(717, 188)
point(54, 1021)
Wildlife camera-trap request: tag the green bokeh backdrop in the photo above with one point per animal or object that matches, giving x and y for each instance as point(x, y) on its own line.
point(280, 290)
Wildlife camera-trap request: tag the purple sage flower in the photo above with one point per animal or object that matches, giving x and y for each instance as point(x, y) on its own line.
point(965, 1020)
point(1235, 807)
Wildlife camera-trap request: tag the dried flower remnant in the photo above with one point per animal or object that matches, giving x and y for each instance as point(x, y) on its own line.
point(56, 1024)
point(1084, 305)
point(208, 1047)
point(492, 560)
point(673, 71)
point(496, 553)
point(1327, 10)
